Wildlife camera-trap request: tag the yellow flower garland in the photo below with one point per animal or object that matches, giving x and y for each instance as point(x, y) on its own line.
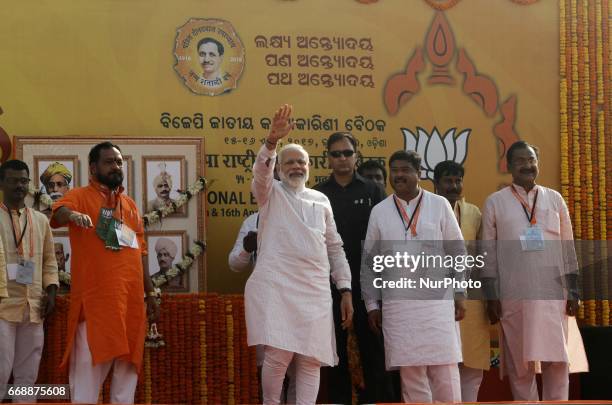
point(602, 174)
point(586, 125)
point(584, 111)
point(599, 53)
point(563, 102)
point(575, 121)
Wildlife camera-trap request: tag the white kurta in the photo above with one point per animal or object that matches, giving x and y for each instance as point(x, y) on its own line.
point(288, 300)
point(417, 332)
point(535, 326)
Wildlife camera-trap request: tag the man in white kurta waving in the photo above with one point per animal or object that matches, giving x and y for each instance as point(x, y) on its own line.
point(417, 318)
point(288, 300)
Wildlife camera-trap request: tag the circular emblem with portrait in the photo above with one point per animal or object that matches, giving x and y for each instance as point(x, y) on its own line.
point(209, 56)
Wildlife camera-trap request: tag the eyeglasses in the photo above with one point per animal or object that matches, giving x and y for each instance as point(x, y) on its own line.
point(14, 181)
point(338, 153)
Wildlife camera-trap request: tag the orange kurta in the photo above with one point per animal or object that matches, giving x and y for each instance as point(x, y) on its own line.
point(106, 285)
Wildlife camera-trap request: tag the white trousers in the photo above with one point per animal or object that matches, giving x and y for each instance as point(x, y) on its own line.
point(471, 378)
point(289, 390)
point(555, 383)
point(307, 376)
point(427, 384)
point(87, 379)
point(21, 347)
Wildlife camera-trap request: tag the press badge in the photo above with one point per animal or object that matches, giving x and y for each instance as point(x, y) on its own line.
point(126, 236)
point(532, 239)
point(25, 272)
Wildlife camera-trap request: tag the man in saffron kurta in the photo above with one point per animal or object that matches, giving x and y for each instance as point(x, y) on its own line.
point(527, 235)
point(475, 339)
point(106, 320)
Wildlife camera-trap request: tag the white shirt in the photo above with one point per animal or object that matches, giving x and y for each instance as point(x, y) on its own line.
point(417, 331)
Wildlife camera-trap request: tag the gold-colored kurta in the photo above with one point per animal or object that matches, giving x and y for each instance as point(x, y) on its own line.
point(475, 337)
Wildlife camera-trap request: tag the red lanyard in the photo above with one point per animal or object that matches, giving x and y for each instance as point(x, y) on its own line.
point(531, 218)
point(412, 221)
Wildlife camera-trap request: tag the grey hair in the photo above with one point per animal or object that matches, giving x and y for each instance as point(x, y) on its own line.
point(292, 146)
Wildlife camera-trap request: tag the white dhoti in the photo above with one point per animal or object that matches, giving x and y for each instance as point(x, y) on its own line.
point(87, 379)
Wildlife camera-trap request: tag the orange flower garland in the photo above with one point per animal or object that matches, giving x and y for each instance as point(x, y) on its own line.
point(585, 107)
point(563, 115)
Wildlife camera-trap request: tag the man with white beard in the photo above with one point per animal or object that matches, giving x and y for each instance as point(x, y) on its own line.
point(288, 300)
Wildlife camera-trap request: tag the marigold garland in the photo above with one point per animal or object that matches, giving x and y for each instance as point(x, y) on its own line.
point(585, 130)
point(585, 107)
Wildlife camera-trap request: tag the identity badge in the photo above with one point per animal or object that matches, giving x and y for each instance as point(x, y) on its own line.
point(532, 239)
point(25, 272)
point(126, 236)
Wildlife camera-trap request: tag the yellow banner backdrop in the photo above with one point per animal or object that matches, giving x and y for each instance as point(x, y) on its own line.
point(461, 83)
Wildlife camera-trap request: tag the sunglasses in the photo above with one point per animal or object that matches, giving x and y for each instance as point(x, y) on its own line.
point(345, 153)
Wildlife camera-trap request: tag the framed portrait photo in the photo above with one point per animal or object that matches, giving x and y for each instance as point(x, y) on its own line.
point(162, 178)
point(55, 175)
point(166, 248)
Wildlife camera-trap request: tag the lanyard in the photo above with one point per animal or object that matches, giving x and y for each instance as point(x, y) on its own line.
point(412, 221)
point(531, 218)
point(19, 243)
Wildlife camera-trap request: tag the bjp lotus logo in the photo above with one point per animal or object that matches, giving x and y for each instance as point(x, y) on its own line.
point(435, 148)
